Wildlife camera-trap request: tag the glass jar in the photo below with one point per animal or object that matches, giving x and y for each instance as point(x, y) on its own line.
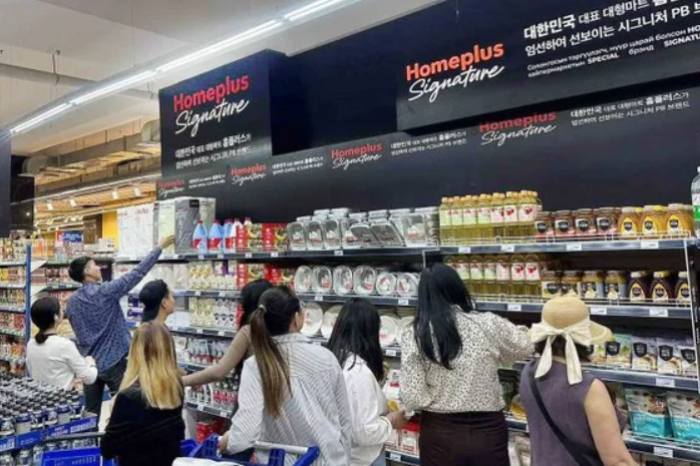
point(593, 285)
point(606, 219)
point(661, 288)
point(654, 221)
point(564, 224)
point(682, 291)
point(544, 225)
point(679, 222)
point(571, 283)
point(639, 286)
point(616, 285)
point(585, 223)
point(629, 223)
point(551, 283)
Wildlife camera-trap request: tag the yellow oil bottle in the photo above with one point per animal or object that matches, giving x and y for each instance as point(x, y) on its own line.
point(469, 217)
point(497, 215)
point(533, 280)
point(527, 213)
point(490, 284)
point(510, 214)
point(445, 223)
point(457, 220)
point(476, 275)
point(484, 218)
point(517, 275)
point(503, 276)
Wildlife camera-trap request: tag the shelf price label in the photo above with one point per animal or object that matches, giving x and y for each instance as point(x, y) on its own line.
point(666, 383)
point(248, 255)
point(200, 257)
point(507, 248)
point(464, 250)
point(318, 298)
point(222, 294)
point(219, 256)
point(223, 413)
point(404, 302)
point(394, 457)
point(574, 247)
point(649, 245)
point(658, 312)
point(274, 254)
point(221, 333)
point(599, 311)
point(663, 452)
point(515, 307)
point(339, 253)
point(391, 353)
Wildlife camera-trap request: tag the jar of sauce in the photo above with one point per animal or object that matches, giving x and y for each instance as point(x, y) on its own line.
point(564, 224)
point(661, 287)
point(551, 283)
point(682, 291)
point(571, 283)
point(616, 285)
point(629, 223)
point(544, 225)
point(606, 219)
point(585, 223)
point(639, 286)
point(654, 221)
point(593, 285)
point(679, 221)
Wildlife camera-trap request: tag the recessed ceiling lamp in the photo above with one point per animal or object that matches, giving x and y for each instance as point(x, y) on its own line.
point(115, 194)
point(73, 202)
point(49, 205)
point(158, 68)
point(137, 191)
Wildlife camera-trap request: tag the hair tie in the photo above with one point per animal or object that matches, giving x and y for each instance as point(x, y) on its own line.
point(262, 308)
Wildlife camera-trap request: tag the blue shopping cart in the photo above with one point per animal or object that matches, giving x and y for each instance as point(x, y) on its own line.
point(190, 449)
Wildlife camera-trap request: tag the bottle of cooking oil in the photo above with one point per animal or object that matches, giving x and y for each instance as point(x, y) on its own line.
point(462, 267)
point(445, 224)
point(484, 218)
point(533, 281)
point(476, 275)
point(503, 275)
point(517, 275)
point(456, 220)
point(497, 217)
point(490, 284)
point(469, 217)
point(527, 213)
point(510, 214)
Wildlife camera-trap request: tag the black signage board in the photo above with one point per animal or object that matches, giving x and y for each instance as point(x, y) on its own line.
point(509, 54)
point(204, 183)
point(633, 152)
point(229, 113)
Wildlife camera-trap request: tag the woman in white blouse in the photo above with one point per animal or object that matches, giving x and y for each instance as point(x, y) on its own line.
point(355, 342)
point(449, 371)
point(51, 358)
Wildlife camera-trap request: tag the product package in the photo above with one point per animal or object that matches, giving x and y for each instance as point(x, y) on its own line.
point(648, 412)
point(669, 359)
point(644, 354)
point(618, 353)
point(180, 216)
point(689, 363)
point(684, 409)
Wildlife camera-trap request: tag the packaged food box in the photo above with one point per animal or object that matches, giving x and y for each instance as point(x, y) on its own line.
point(648, 412)
point(618, 353)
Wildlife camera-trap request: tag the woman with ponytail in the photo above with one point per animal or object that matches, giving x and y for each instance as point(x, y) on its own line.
point(53, 359)
point(292, 392)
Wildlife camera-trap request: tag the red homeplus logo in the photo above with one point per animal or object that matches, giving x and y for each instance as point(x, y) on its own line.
point(215, 94)
point(460, 63)
point(171, 184)
point(360, 155)
point(252, 170)
point(356, 151)
point(523, 122)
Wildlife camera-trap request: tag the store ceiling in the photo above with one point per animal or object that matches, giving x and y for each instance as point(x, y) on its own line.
point(98, 38)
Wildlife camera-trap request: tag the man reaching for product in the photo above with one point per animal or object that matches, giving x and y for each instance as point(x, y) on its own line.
point(98, 322)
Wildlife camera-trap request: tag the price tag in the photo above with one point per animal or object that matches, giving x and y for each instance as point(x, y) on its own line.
point(223, 413)
point(198, 293)
point(650, 245)
point(508, 248)
point(175, 256)
point(464, 250)
point(274, 254)
point(221, 333)
point(200, 257)
point(318, 298)
point(394, 457)
point(663, 452)
point(404, 302)
point(665, 382)
point(219, 256)
point(175, 329)
point(658, 312)
point(339, 253)
point(574, 247)
point(248, 255)
point(599, 311)
point(318, 343)
point(515, 307)
point(200, 331)
point(391, 353)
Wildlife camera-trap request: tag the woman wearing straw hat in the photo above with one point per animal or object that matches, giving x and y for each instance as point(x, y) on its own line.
point(571, 416)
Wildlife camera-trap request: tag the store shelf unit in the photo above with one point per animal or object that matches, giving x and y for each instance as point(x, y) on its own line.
point(374, 299)
point(207, 409)
point(570, 246)
point(31, 439)
point(205, 332)
point(669, 311)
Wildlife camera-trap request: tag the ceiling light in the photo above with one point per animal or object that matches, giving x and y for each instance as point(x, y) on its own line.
point(28, 214)
point(73, 202)
point(115, 194)
point(310, 9)
point(39, 118)
point(221, 45)
point(49, 205)
point(110, 88)
point(137, 191)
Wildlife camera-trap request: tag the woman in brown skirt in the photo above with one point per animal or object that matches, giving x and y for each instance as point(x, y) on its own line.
point(449, 372)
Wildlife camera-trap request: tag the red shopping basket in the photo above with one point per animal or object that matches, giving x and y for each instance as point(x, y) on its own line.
point(209, 449)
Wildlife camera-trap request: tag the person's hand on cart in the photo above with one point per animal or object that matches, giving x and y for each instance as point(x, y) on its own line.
point(223, 442)
point(398, 419)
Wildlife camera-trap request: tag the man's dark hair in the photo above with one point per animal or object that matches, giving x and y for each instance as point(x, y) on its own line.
point(76, 270)
point(151, 295)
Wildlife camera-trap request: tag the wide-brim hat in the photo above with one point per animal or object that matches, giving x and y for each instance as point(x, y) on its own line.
point(566, 311)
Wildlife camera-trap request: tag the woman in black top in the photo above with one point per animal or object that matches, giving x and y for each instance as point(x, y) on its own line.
point(146, 426)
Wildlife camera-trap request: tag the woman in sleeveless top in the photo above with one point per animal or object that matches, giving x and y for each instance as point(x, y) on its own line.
point(575, 422)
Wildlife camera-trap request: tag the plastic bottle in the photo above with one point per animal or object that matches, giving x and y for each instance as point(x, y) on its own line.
point(517, 275)
point(528, 208)
point(236, 231)
point(456, 220)
point(469, 217)
point(484, 218)
point(695, 194)
point(445, 222)
point(199, 238)
point(490, 284)
point(503, 275)
point(215, 240)
point(510, 213)
point(497, 215)
point(228, 226)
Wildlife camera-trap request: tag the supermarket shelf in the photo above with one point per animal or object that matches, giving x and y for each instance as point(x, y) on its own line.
point(388, 351)
point(403, 458)
point(30, 439)
point(516, 425)
point(137, 259)
point(377, 300)
point(13, 264)
point(206, 332)
point(574, 246)
point(636, 311)
point(12, 286)
point(190, 367)
point(197, 294)
point(19, 334)
point(61, 287)
point(203, 408)
point(13, 309)
point(646, 379)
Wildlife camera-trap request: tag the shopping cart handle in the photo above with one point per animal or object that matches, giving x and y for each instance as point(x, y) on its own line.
point(307, 456)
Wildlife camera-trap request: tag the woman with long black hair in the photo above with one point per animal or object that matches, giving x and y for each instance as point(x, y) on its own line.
point(292, 392)
point(355, 342)
point(449, 371)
